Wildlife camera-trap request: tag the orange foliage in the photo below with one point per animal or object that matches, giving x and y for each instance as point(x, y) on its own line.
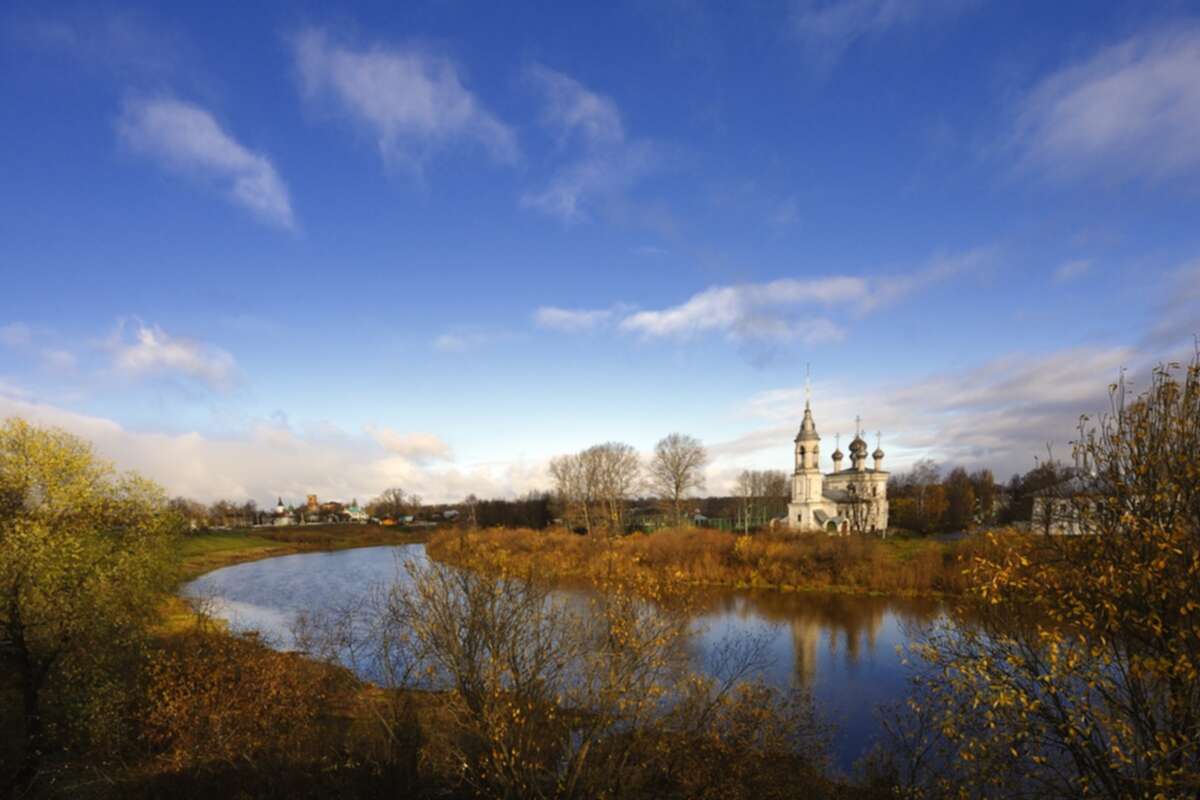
point(707, 557)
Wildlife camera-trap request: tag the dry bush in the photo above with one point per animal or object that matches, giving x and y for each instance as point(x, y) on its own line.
point(553, 699)
point(707, 557)
point(215, 701)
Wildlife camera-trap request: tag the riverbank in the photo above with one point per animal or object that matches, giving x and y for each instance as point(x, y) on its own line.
point(203, 552)
point(206, 551)
point(900, 565)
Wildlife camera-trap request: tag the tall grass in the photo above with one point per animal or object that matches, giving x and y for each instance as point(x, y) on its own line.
point(899, 565)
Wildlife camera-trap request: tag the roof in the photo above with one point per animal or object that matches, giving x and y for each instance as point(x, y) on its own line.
point(808, 428)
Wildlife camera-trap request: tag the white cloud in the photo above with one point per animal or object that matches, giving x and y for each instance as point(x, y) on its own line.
point(571, 108)
point(268, 461)
point(1130, 111)
point(1178, 316)
point(827, 28)
point(603, 163)
point(1000, 414)
point(781, 309)
point(412, 101)
point(743, 309)
point(15, 334)
point(579, 185)
point(461, 342)
point(58, 359)
point(571, 320)
point(420, 448)
point(185, 137)
point(1070, 270)
point(153, 351)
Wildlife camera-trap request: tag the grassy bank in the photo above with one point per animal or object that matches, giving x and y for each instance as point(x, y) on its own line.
point(209, 550)
point(898, 565)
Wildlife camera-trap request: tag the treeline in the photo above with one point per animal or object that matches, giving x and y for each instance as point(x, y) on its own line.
point(923, 500)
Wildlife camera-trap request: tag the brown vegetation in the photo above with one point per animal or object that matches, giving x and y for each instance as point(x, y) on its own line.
point(715, 558)
point(1093, 690)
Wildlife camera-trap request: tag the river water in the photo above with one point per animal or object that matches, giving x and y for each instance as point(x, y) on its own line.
point(843, 648)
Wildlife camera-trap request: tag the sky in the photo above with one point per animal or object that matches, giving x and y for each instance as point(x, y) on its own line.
point(272, 249)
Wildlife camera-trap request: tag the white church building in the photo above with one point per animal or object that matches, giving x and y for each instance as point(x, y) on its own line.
point(851, 500)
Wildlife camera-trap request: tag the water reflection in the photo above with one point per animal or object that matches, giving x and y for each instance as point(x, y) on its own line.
point(841, 648)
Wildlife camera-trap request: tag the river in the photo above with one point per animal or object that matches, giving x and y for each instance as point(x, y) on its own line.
point(841, 647)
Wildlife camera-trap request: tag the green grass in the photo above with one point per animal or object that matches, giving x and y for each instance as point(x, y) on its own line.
point(205, 543)
point(208, 550)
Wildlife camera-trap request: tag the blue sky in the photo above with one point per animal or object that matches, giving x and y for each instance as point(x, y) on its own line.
point(273, 250)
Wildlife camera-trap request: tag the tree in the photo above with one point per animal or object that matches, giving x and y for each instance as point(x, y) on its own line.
point(676, 469)
point(394, 503)
point(761, 494)
point(617, 471)
point(574, 484)
point(83, 552)
point(471, 502)
point(960, 500)
point(1079, 675)
point(549, 698)
point(984, 484)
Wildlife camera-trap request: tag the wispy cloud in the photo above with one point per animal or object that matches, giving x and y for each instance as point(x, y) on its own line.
point(746, 310)
point(185, 137)
point(1070, 270)
point(1178, 316)
point(22, 338)
point(828, 28)
point(460, 342)
point(15, 334)
point(410, 99)
point(772, 310)
point(151, 351)
point(571, 109)
point(602, 162)
point(571, 320)
point(1000, 414)
point(1131, 111)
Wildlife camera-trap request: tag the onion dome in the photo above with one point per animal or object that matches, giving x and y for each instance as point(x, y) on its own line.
point(858, 446)
point(837, 455)
point(878, 454)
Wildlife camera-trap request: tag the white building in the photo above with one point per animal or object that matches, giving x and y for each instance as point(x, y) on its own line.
point(843, 501)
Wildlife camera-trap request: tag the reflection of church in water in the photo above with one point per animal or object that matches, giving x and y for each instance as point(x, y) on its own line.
point(842, 501)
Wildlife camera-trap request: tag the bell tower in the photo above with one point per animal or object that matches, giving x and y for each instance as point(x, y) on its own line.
point(807, 478)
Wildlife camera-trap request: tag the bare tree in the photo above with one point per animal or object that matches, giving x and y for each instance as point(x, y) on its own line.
point(394, 503)
point(617, 471)
point(574, 488)
point(760, 493)
point(676, 469)
point(471, 501)
point(551, 699)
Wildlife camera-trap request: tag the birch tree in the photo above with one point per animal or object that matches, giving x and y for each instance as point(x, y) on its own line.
point(676, 469)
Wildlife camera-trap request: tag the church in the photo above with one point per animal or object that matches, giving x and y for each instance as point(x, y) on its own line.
point(851, 500)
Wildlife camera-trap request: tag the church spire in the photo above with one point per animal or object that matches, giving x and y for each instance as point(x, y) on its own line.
point(808, 427)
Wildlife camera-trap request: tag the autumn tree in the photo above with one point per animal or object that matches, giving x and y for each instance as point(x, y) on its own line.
point(983, 482)
point(394, 503)
point(549, 698)
point(960, 500)
point(1076, 674)
point(676, 469)
point(575, 485)
point(617, 471)
point(83, 552)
